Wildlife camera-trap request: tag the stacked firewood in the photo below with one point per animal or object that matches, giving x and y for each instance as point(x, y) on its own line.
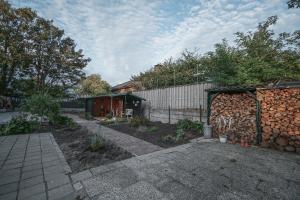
point(235, 116)
point(280, 118)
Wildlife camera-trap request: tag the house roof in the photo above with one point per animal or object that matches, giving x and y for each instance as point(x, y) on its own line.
point(122, 85)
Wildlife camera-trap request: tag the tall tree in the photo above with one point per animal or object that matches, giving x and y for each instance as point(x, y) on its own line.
point(93, 85)
point(293, 4)
point(35, 54)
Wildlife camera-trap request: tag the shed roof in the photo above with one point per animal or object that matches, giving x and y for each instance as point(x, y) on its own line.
point(231, 89)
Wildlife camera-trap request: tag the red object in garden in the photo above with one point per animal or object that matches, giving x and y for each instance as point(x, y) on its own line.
point(242, 142)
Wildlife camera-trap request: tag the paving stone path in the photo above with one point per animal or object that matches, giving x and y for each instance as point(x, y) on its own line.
point(199, 170)
point(131, 144)
point(33, 167)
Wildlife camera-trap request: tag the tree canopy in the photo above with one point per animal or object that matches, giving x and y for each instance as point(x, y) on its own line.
point(93, 85)
point(35, 55)
point(255, 58)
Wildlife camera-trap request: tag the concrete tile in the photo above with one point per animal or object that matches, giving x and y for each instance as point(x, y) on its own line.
point(9, 196)
point(60, 192)
point(31, 191)
point(57, 181)
point(11, 187)
point(31, 181)
point(81, 176)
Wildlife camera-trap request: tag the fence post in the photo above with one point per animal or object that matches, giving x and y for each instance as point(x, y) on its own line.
point(200, 113)
point(169, 115)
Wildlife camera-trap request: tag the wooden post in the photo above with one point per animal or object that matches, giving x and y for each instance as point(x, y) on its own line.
point(111, 104)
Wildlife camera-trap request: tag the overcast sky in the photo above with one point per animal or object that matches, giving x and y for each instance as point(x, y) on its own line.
point(125, 37)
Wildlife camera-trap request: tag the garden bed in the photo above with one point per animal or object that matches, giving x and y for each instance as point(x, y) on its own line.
point(155, 132)
point(75, 145)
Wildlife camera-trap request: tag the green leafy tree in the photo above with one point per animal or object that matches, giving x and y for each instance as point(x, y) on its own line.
point(93, 85)
point(33, 51)
point(293, 4)
point(257, 58)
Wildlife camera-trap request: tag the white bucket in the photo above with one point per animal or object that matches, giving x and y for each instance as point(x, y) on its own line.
point(223, 139)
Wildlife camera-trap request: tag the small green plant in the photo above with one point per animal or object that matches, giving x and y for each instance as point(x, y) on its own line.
point(185, 124)
point(168, 139)
point(96, 143)
point(139, 121)
point(60, 120)
point(152, 129)
point(18, 125)
point(41, 105)
point(88, 116)
point(180, 134)
point(198, 126)
point(109, 116)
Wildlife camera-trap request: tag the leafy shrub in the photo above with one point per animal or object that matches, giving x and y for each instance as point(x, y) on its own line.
point(121, 120)
point(42, 105)
point(60, 120)
point(18, 125)
point(180, 134)
point(152, 129)
point(187, 124)
point(88, 116)
point(139, 121)
point(198, 126)
point(107, 122)
point(109, 116)
point(96, 143)
point(168, 139)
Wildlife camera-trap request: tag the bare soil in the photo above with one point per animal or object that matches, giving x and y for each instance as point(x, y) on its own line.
point(74, 144)
point(154, 136)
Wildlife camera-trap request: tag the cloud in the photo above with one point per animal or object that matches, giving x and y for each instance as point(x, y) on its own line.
point(126, 37)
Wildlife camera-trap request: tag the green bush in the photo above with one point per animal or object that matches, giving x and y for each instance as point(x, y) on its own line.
point(18, 125)
point(139, 121)
point(198, 126)
point(168, 139)
point(96, 143)
point(60, 120)
point(152, 129)
point(88, 116)
point(109, 116)
point(180, 134)
point(187, 124)
point(41, 104)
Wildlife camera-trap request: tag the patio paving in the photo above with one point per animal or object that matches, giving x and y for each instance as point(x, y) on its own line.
point(33, 167)
point(131, 144)
point(199, 170)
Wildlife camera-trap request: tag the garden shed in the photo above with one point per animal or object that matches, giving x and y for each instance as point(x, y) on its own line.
point(114, 104)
